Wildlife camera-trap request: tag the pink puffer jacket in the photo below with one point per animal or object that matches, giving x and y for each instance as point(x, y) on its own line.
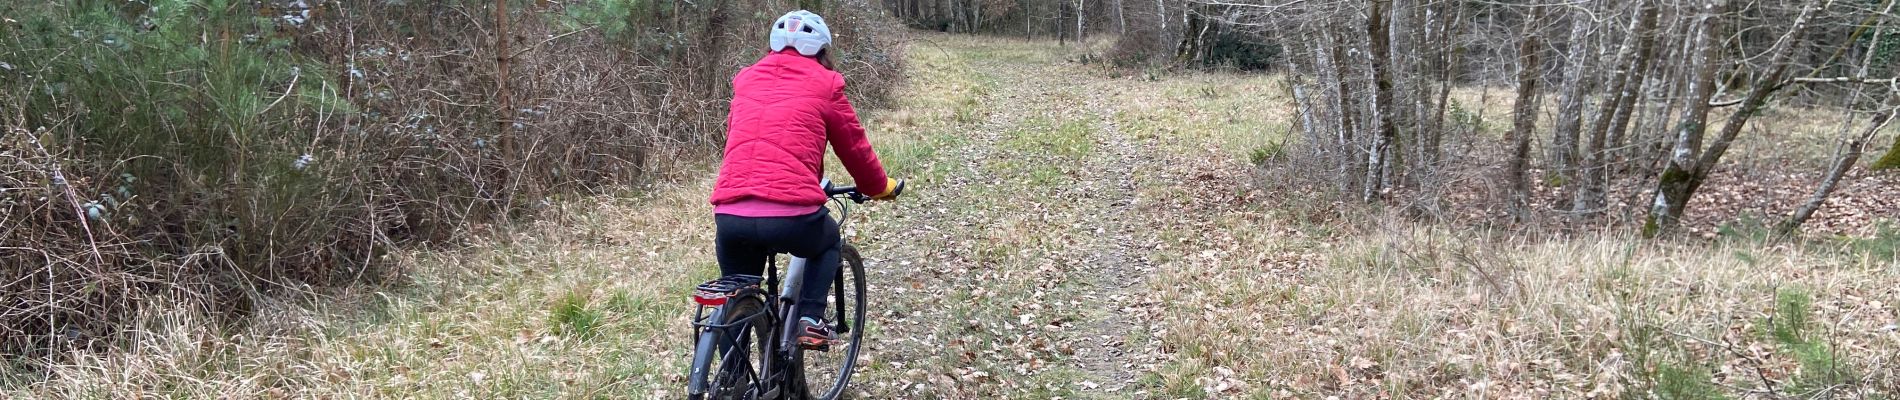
point(785, 109)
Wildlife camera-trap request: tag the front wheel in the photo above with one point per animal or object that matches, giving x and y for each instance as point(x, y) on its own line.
point(825, 373)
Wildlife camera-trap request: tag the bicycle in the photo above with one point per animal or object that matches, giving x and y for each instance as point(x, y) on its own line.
point(736, 320)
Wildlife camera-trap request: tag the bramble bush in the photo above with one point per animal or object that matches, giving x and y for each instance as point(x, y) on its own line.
point(198, 154)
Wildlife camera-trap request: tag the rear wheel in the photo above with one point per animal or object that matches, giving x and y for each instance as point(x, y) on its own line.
point(824, 374)
point(733, 365)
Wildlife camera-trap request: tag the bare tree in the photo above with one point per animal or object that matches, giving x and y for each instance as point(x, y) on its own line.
point(1524, 115)
point(1852, 146)
point(1563, 144)
point(1689, 163)
point(1614, 111)
point(1375, 83)
point(1081, 17)
point(503, 111)
point(1449, 59)
point(1845, 157)
point(1345, 106)
point(1121, 18)
point(1378, 168)
point(1673, 188)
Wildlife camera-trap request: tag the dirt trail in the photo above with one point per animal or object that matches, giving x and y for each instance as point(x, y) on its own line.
point(1117, 266)
point(1010, 276)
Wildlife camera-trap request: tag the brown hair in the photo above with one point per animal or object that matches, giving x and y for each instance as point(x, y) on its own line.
point(824, 58)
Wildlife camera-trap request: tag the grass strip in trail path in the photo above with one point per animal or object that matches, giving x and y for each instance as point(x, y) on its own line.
point(1070, 233)
point(1014, 269)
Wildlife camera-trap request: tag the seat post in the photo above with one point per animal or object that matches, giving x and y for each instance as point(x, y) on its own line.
point(794, 279)
point(771, 272)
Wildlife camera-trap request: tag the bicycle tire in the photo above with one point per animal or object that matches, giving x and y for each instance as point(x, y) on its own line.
point(736, 375)
point(848, 313)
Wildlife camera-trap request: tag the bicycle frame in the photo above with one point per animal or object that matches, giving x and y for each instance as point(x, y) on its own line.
point(778, 310)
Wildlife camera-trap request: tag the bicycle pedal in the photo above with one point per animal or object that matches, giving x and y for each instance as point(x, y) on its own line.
point(818, 345)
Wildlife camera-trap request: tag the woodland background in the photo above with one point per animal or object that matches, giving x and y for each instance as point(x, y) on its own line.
point(223, 153)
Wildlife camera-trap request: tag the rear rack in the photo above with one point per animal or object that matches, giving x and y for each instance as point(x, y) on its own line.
point(714, 293)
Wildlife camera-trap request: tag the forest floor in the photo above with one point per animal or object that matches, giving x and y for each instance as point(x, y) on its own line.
point(1073, 232)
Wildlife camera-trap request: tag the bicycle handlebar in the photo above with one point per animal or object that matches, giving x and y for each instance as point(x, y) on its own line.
point(848, 192)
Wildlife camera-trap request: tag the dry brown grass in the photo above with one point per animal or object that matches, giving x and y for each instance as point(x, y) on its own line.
point(1406, 310)
point(501, 319)
point(1257, 298)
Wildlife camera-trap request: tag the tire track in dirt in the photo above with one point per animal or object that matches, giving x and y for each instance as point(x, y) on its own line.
point(1119, 266)
point(1012, 277)
point(922, 347)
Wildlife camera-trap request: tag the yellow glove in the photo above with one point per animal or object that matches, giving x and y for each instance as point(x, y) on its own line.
point(892, 188)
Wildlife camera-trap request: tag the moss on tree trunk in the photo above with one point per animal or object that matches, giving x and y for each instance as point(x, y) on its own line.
point(1891, 160)
point(1673, 189)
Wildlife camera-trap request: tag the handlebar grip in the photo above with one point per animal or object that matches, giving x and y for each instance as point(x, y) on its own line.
point(838, 190)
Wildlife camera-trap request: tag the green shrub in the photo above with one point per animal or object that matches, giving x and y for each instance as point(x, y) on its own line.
point(1674, 382)
point(184, 130)
point(1660, 363)
point(1464, 121)
point(1792, 328)
point(1243, 50)
point(1266, 153)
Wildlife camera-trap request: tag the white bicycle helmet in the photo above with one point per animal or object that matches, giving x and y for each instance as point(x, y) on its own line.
point(801, 30)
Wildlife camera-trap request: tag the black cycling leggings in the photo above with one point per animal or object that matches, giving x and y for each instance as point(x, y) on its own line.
point(746, 244)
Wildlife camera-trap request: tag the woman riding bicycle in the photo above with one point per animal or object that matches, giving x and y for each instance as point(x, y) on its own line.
point(767, 200)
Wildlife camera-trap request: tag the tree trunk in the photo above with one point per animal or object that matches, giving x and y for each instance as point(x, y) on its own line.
point(1061, 34)
point(1196, 27)
point(1450, 59)
point(1419, 89)
point(1563, 144)
point(1766, 85)
point(1377, 180)
point(1028, 16)
point(1081, 16)
point(1677, 179)
point(1161, 14)
point(1523, 117)
point(1346, 111)
point(1892, 159)
point(1301, 88)
point(964, 16)
point(1689, 165)
point(1121, 19)
point(1399, 51)
point(1613, 113)
point(1663, 95)
point(504, 112)
point(1844, 159)
point(1304, 102)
